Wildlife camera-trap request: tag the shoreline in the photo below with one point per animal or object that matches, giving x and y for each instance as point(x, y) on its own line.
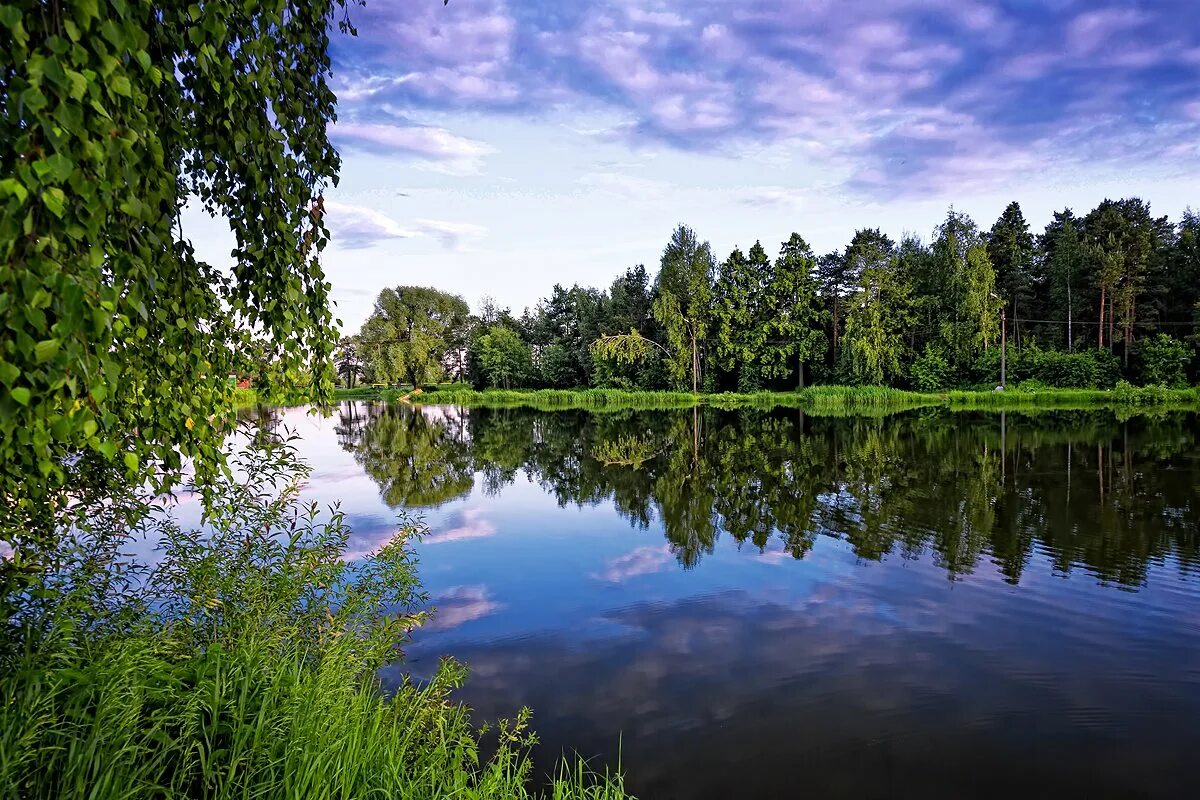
point(817, 399)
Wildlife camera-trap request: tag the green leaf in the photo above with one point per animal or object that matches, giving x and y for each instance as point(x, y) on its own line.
point(54, 200)
point(21, 395)
point(119, 84)
point(8, 372)
point(45, 350)
point(131, 461)
point(10, 16)
point(12, 186)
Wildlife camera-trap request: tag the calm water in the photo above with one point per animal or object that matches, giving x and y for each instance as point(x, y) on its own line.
point(764, 604)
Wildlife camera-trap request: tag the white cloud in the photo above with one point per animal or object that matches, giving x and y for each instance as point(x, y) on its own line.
point(437, 147)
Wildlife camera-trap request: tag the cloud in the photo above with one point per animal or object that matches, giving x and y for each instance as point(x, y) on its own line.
point(642, 561)
point(353, 227)
point(466, 524)
point(438, 148)
point(452, 235)
point(771, 197)
point(900, 96)
point(625, 187)
point(459, 605)
point(357, 227)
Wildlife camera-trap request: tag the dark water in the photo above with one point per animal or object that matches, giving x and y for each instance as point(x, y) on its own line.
point(764, 604)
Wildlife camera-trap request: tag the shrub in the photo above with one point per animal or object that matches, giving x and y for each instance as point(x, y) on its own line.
point(1163, 360)
point(243, 665)
point(931, 372)
point(1126, 393)
point(1085, 369)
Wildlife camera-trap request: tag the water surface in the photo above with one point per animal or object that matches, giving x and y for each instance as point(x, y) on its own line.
point(767, 604)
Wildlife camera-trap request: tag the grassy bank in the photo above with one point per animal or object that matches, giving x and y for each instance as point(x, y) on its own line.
point(243, 665)
point(831, 399)
point(815, 399)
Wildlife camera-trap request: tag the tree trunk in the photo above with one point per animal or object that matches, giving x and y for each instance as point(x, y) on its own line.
point(1101, 340)
point(801, 374)
point(1112, 326)
point(695, 364)
point(1070, 337)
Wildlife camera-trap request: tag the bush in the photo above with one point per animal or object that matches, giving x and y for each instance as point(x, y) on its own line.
point(1163, 360)
point(931, 372)
point(1126, 393)
point(1084, 369)
point(242, 665)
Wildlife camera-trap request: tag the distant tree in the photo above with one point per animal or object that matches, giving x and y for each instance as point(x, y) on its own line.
point(1181, 278)
point(684, 303)
point(629, 302)
point(1125, 242)
point(791, 312)
point(1063, 262)
point(505, 358)
point(969, 306)
point(837, 281)
point(347, 362)
point(410, 333)
point(738, 327)
point(878, 318)
point(1010, 248)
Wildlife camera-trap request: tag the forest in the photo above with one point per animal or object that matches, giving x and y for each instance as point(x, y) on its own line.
point(1092, 300)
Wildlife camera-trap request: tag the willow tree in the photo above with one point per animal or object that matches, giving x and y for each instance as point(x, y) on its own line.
point(410, 332)
point(683, 307)
point(878, 318)
point(117, 340)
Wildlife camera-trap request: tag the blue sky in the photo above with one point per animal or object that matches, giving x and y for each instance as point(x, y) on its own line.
point(495, 148)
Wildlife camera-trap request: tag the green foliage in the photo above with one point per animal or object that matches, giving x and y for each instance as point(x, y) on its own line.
point(878, 321)
point(791, 313)
point(1164, 361)
point(1126, 393)
point(347, 361)
point(684, 304)
point(116, 339)
point(556, 367)
point(242, 665)
point(931, 371)
point(736, 307)
point(1010, 249)
point(505, 359)
point(962, 287)
point(410, 333)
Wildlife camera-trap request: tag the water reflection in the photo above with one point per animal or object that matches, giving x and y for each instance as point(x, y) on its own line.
point(1088, 489)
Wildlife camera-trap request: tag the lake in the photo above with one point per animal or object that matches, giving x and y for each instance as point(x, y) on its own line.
point(770, 604)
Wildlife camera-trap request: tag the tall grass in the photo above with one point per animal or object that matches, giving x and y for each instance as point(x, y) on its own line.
point(242, 665)
point(827, 400)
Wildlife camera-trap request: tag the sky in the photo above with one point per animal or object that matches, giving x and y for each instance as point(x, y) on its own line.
point(492, 149)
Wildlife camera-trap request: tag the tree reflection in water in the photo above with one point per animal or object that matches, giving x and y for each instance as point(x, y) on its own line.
point(1089, 489)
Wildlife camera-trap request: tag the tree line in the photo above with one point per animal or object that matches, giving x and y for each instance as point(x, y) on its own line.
point(1111, 295)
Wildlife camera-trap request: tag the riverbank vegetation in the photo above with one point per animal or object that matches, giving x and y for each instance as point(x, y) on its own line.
point(241, 664)
point(1093, 300)
point(814, 399)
